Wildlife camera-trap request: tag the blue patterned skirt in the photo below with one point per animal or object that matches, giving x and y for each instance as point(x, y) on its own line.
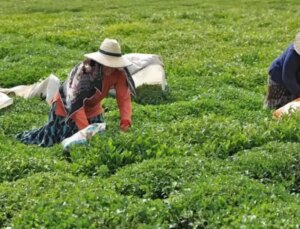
point(54, 131)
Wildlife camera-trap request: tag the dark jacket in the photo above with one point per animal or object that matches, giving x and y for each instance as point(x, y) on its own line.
point(285, 70)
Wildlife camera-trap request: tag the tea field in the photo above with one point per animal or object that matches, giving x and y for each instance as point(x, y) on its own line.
point(204, 155)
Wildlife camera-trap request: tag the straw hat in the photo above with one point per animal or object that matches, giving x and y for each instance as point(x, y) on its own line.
point(297, 43)
point(109, 54)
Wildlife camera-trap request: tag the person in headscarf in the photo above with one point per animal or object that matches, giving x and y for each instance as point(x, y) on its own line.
point(78, 101)
point(284, 77)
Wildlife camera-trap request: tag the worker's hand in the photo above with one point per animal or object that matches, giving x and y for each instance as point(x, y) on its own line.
point(124, 125)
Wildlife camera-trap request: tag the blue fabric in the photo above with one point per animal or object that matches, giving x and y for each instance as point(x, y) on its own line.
point(285, 70)
point(54, 131)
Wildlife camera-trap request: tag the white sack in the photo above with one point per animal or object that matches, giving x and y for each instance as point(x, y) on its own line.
point(45, 88)
point(150, 75)
point(5, 100)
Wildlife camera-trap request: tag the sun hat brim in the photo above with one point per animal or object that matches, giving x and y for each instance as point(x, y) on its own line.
point(109, 61)
point(297, 43)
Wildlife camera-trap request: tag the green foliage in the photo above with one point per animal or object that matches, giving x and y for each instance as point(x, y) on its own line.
point(202, 154)
point(112, 153)
point(61, 200)
point(152, 94)
point(272, 163)
point(234, 201)
point(157, 179)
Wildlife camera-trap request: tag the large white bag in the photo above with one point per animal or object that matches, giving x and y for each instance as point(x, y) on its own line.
point(5, 100)
point(151, 75)
point(45, 88)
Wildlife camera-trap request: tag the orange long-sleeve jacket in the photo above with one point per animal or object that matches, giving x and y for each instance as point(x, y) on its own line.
point(92, 105)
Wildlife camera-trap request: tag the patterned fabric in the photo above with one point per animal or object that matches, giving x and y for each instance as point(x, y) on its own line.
point(130, 82)
point(56, 130)
point(82, 83)
point(277, 95)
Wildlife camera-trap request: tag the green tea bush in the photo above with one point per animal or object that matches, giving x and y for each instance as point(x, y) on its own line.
point(152, 94)
point(286, 129)
point(205, 154)
point(62, 200)
point(217, 136)
point(110, 153)
point(24, 115)
point(158, 178)
point(23, 193)
point(16, 165)
point(272, 163)
point(234, 201)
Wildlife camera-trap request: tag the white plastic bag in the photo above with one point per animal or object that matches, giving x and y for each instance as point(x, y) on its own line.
point(82, 136)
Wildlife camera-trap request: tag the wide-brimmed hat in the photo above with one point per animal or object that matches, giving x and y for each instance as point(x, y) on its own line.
point(109, 54)
point(297, 43)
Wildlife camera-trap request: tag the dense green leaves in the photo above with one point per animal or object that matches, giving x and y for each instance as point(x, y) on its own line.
point(204, 154)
